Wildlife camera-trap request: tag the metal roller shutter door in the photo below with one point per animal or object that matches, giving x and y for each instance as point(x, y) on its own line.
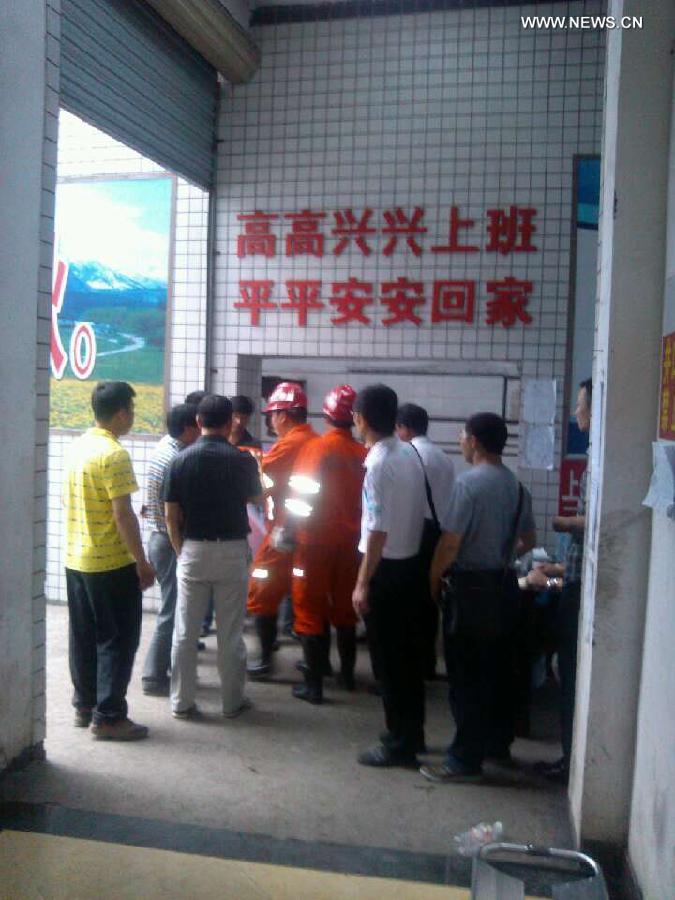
point(124, 70)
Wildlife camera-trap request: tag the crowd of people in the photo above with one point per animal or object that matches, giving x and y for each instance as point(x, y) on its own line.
point(365, 521)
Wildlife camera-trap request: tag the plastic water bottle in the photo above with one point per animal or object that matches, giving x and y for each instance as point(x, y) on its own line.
point(469, 842)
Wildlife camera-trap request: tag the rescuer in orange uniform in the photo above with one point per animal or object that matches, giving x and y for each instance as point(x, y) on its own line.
point(327, 479)
point(271, 572)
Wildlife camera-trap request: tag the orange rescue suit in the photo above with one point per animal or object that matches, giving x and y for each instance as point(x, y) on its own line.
point(327, 541)
point(266, 594)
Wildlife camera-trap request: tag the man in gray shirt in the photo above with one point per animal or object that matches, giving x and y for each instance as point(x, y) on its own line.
point(489, 519)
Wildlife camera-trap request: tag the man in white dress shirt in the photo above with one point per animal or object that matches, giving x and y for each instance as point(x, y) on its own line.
point(412, 424)
point(387, 592)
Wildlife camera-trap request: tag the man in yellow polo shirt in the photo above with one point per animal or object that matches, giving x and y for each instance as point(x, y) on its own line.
point(106, 567)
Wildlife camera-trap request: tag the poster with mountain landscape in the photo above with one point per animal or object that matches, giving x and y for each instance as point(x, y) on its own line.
point(109, 301)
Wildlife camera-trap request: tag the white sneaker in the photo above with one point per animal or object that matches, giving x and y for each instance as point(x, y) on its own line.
point(243, 706)
point(192, 713)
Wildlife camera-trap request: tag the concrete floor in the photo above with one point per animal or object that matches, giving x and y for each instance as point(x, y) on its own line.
point(286, 769)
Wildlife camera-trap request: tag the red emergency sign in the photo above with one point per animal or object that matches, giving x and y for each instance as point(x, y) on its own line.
point(667, 398)
point(571, 470)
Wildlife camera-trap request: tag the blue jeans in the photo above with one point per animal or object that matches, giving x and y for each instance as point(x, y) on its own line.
point(158, 660)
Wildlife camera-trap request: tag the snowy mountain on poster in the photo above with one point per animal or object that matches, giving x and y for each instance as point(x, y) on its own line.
point(91, 284)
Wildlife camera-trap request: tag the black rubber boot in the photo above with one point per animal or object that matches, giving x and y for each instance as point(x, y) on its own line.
point(346, 644)
point(266, 629)
point(323, 640)
point(324, 643)
point(312, 689)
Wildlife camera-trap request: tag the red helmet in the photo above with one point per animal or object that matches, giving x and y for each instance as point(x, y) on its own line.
point(339, 402)
point(286, 395)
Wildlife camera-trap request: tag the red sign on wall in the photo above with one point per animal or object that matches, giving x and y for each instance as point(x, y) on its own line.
point(667, 399)
point(571, 470)
point(399, 300)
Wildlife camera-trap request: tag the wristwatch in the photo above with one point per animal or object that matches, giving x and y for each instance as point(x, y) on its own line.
point(551, 583)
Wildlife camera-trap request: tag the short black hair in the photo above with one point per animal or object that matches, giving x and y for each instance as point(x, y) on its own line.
point(109, 397)
point(414, 417)
point(242, 404)
point(180, 417)
point(378, 404)
point(195, 397)
point(215, 411)
point(587, 385)
point(490, 431)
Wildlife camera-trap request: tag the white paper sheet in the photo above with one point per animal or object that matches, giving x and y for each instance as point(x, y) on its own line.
point(538, 401)
point(537, 446)
point(661, 494)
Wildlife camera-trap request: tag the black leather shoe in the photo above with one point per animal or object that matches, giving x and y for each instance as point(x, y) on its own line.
point(503, 760)
point(156, 688)
point(420, 743)
point(309, 693)
point(558, 771)
point(346, 681)
point(380, 757)
point(450, 772)
point(259, 671)
point(82, 718)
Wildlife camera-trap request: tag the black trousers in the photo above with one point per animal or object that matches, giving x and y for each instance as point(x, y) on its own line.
point(429, 607)
point(568, 628)
point(481, 681)
point(105, 627)
point(394, 629)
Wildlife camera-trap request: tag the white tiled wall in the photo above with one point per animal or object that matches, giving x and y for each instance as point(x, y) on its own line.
point(460, 107)
point(85, 152)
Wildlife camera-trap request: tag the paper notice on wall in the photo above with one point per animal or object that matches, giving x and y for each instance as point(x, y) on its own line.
point(537, 446)
point(661, 494)
point(538, 401)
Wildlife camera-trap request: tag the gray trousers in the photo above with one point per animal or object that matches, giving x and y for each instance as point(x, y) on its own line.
point(218, 570)
point(158, 659)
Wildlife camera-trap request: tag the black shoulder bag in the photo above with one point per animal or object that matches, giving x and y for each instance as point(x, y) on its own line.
point(483, 604)
point(432, 527)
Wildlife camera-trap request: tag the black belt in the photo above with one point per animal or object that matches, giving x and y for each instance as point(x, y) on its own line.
point(215, 540)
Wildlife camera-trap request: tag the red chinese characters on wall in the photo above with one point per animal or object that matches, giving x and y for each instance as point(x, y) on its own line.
point(302, 297)
point(509, 230)
point(350, 299)
point(349, 228)
point(400, 224)
point(255, 297)
point(305, 238)
point(402, 297)
point(256, 238)
point(455, 244)
point(509, 299)
point(398, 301)
point(453, 301)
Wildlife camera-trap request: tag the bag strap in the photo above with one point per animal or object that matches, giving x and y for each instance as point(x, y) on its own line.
point(513, 538)
point(427, 487)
